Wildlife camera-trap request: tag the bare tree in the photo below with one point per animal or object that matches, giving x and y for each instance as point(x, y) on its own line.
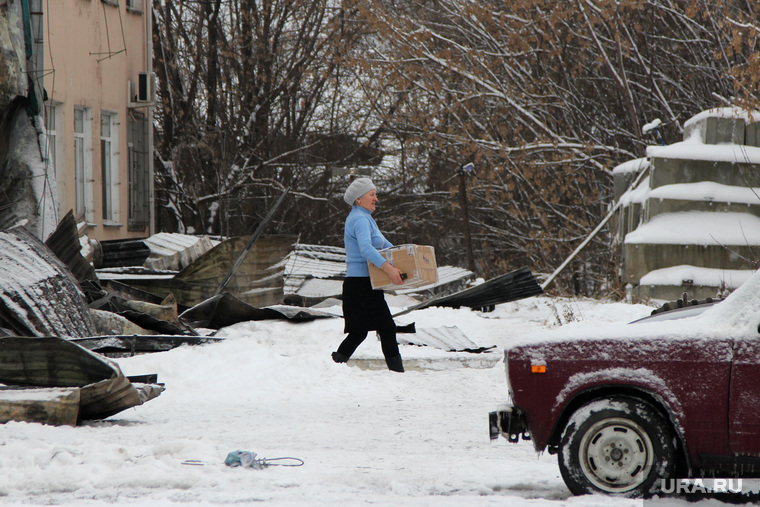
point(252, 95)
point(545, 98)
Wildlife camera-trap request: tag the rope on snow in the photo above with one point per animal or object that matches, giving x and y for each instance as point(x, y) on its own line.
point(249, 459)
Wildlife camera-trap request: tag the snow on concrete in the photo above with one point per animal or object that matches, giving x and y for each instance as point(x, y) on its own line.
point(693, 149)
point(724, 112)
point(698, 276)
point(707, 191)
point(632, 166)
point(637, 195)
point(698, 228)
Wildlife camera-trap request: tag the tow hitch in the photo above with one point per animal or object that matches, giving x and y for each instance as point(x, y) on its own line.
point(510, 422)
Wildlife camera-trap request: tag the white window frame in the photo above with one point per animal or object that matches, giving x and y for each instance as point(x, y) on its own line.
point(83, 180)
point(109, 164)
point(53, 153)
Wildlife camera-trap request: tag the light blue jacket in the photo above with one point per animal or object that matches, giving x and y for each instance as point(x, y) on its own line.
point(362, 239)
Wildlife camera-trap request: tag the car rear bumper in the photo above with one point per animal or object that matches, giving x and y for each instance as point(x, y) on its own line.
point(509, 422)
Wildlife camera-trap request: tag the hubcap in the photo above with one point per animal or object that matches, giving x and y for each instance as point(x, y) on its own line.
point(616, 455)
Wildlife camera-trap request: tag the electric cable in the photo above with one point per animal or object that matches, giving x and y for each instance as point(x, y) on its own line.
point(249, 459)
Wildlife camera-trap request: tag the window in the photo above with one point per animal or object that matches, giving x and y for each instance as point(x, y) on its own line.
point(134, 5)
point(53, 149)
point(109, 165)
point(83, 163)
point(50, 133)
point(139, 177)
point(79, 179)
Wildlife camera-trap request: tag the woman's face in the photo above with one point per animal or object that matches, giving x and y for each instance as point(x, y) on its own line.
point(368, 201)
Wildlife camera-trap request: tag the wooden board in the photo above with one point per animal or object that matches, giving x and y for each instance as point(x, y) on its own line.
point(40, 405)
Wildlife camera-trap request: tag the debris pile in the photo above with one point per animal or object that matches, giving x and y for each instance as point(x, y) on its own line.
point(69, 303)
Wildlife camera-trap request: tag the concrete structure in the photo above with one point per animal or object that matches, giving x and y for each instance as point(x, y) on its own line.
point(693, 223)
point(99, 96)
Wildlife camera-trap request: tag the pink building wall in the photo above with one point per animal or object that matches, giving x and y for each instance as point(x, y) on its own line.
point(94, 52)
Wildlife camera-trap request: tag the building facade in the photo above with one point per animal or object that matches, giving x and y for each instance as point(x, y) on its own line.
point(98, 103)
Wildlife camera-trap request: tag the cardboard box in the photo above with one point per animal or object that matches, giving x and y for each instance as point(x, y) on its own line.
point(417, 262)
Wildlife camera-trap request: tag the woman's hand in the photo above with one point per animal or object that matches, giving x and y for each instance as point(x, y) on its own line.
point(393, 272)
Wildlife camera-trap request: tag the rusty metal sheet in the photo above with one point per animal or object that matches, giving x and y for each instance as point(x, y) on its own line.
point(56, 363)
point(64, 243)
point(38, 294)
point(258, 281)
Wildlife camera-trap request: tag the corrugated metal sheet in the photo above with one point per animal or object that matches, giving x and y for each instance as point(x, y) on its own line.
point(448, 338)
point(512, 286)
point(38, 294)
point(450, 278)
point(258, 281)
point(316, 261)
point(175, 251)
point(122, 252)
point(53, 362)
point(64, 242)
point(328, 263)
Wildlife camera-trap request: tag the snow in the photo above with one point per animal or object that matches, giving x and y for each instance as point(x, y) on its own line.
point(631, 166)
point(366, 435)
point(707, 191)
point(693, 149)
point(724, 112)
point(638, 195)
point(41, 394)
point(736, 229)
point(651, 126)
point(705, 277)
point(697, 228)
point(734, 318)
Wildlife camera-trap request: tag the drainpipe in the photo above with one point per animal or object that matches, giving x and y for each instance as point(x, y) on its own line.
point(149, 69)
point(33, 107)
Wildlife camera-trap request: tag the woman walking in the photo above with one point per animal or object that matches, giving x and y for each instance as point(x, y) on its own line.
point(365, 309)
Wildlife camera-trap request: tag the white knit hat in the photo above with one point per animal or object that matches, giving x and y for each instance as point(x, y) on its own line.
point(356, 189)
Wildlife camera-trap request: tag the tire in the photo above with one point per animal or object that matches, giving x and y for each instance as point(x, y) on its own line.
point(619, 446)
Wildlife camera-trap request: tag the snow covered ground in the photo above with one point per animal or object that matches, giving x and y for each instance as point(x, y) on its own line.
point(365, 435)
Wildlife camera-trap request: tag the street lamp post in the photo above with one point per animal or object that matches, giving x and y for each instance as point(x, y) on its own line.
point(466, 171)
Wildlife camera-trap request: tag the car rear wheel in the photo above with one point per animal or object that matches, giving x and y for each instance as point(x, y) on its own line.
point(620, 446)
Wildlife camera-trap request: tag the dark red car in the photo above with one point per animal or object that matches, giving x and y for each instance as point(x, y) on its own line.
point(674, 395)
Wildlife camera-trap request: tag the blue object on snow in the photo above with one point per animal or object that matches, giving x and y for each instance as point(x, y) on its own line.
point(245, 459)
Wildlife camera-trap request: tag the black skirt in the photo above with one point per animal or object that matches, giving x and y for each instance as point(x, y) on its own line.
point(364, 309)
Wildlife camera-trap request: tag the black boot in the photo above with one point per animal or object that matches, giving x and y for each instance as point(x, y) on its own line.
point(394, 363)
point(339, 358)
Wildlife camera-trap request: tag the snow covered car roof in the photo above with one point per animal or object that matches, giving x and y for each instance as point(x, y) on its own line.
point(736, 316)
